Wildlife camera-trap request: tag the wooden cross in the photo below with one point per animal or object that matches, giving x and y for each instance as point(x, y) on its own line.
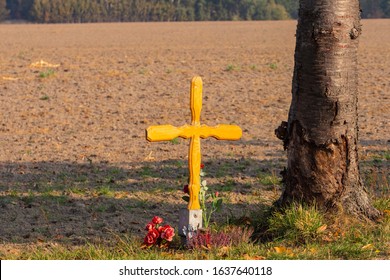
point(195, 131)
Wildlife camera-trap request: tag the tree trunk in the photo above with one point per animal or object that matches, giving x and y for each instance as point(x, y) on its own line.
point(321, 133)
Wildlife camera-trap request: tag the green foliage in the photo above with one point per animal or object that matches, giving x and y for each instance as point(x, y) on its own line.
point(375, 9)
point(275, 11)
point(44, 97)
point(4, 12)
point(54, 11)
point(385, 6)
point(291, 6)
point(147, 172)
point(165, 10)
point(47, 73)
point(382, 204)
point(356, 242)
point(175, 141)
point(105, 191)
point(19, 10)
point(232, 67)
point(269, 179)
point(67, 11)
point(273, 66)
point(297, 223)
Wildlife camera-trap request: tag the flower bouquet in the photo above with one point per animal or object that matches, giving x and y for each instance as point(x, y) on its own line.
point(157, 235)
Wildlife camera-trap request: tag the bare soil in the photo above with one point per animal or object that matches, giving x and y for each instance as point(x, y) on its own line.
point(74, 162)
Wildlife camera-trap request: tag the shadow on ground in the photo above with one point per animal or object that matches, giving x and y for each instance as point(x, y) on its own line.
point(77, 203)
point(69, 202)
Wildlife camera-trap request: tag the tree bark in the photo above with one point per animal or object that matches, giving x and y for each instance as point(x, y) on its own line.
point(321, 134)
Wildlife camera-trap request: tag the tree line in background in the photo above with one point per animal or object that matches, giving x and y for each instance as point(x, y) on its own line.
point(74, 11)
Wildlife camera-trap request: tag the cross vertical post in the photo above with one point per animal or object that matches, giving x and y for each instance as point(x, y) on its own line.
point(194, 156)
point(192, 216)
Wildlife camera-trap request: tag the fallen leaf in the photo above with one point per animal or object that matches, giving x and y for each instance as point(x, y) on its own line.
point(367, 247)
point(313, 250)
point(387, 212)
point(144, 246)
point(284, 250)
point(247, 257)
point(321, 228)
point(224, 251)
point(280, 250)
point(164, 246)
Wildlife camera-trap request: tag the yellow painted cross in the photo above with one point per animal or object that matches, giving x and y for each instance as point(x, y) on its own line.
point(195, 131)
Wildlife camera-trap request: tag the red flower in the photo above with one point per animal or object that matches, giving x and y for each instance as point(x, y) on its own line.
point(157, 235)
point(151, 237)
point(201, 166)
point(167, 232)
point(186, 189)
point(150, 226)
point(216, 194)
point(157, 220)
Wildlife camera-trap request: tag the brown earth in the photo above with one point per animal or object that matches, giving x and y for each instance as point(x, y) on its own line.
point(74, 162)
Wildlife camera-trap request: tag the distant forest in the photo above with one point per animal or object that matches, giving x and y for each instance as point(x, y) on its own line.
point(75, 11)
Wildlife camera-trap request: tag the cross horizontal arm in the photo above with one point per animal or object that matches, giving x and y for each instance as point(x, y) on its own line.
point(169, 132)
point(221, 132)
point(162, 133)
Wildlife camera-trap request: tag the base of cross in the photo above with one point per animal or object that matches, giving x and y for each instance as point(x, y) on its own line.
point(189, 222)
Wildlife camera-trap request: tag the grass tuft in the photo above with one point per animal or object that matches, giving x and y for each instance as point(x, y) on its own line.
point(269, 179)
point(273, 66)
point(297, 223)
point(47, 73)
point(232, 67)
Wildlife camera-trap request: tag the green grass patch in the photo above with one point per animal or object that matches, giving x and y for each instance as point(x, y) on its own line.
point(267, 179)
point(382, 204)
point(297, 223)
point(227, 186)
point(47, 73)
point(77, 190)
point(29, 198)
point(273, 66)
point(105, 191)
point(81, 178)
point(44, 97)
point(232, 67)
point(295, 232)
point(358, 242)
point(175, 141)
point(224, 169)
point(147, 172)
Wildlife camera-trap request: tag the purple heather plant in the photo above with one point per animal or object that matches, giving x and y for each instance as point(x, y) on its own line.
point(208, 239)
point(232, 235)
